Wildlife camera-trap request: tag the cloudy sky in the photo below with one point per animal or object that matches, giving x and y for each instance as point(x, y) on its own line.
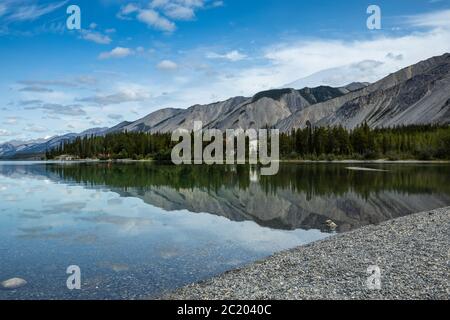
point(133, 57)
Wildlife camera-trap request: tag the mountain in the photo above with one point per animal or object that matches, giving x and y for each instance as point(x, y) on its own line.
point(117, 127)
point(267, 108)
point(7, 149)
point(150, 121)
point(354, 86)
point(264, 109)
point(39, 147)
point(168, 120)
point(419, 94)
point(12, 147)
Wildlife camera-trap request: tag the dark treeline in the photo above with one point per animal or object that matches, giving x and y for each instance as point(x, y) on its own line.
point(126, 145)
point(408, 142)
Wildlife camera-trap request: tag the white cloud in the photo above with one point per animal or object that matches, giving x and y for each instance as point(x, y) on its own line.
point(159, 14)
point(2, 9)
point(167, 65)
point(11, 120)
point(436, 19)
point(155, 20)
point(231, 56)
point(95, 122)
point(35, 128)
point(178, 9)
point(118, 52)
point(338, 76)
point(95, 36)
point(29, 12)
point(217, 4)
point(35, 89)
point(178, 12)
point(128, 9)
point(45, 83)
point(115, 116)
point(393, 56)
point(5, 133)
point(29, 102)
point(128, 92)
point(60, 109)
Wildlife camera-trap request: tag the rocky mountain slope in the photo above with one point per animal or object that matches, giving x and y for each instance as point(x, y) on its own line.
point(419, 94)
point(264, 109)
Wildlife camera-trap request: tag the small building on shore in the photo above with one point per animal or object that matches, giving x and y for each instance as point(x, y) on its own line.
point(66, 157)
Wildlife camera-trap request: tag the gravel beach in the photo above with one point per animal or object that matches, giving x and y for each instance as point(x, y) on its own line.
point(412, 254)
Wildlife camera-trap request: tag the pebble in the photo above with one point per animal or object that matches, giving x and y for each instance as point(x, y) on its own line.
point(331, 224)
point(12, 284)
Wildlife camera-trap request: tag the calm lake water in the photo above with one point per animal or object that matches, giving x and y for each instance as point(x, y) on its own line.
point(138, 230)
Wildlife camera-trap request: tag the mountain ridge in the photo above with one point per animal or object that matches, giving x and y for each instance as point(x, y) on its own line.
point(324, 114)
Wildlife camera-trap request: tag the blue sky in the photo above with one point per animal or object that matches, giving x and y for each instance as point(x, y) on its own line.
point(133, 57)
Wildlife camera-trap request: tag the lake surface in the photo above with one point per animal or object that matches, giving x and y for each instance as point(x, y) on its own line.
point(138, 230)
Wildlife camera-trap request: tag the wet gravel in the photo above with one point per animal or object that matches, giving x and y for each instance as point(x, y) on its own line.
point(412, 254)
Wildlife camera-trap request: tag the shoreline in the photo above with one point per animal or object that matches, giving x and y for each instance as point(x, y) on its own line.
point(380, 161)
point(413, 253)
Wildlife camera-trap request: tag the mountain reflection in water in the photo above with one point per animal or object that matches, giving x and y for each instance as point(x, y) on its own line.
point(300, 196)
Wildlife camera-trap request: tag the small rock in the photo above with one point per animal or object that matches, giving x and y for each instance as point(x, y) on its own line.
point(331, 224)
point(13, 283)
